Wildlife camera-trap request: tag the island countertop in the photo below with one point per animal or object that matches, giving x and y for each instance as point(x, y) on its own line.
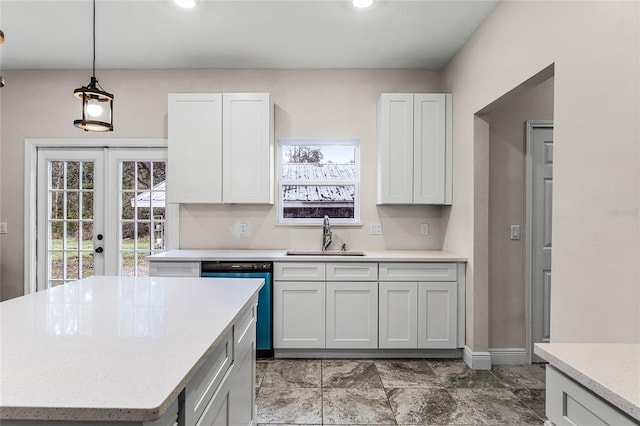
point(610, 370)
point(112, 348)
point(185, 255)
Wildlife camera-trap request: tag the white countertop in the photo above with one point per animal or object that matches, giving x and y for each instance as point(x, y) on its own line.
point(610, 370)
point(280, 255)
point(112, 348)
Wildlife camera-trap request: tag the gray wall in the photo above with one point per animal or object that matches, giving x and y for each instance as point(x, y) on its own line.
point(596, 232)
point(507, 170)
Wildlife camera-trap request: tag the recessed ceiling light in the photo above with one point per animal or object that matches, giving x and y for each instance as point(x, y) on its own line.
point(362, 3)
point(187, 4)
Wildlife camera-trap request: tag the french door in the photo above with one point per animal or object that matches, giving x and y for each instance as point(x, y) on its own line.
point(99, 212)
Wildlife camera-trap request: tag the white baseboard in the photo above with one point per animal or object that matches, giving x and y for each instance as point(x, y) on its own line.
point(509, 356)
point(476, 360)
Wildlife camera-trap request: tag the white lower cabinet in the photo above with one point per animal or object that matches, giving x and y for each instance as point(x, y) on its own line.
point(298, 314)
point(222, 392)
point(398, 310)
point(352, 315)
point(568, 403)
point(343, 305)
point(437, 315)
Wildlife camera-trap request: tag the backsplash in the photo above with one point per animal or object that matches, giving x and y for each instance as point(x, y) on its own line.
point(217, 227)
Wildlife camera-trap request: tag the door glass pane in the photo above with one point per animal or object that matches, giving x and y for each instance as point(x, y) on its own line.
point(70, 221)
point(142, 214)
point(73, 174)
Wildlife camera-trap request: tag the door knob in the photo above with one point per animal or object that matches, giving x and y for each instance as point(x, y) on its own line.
point(99, 249)
point(99, 237)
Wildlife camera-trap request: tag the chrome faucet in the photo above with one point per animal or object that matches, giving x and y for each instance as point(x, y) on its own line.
point(326, 233)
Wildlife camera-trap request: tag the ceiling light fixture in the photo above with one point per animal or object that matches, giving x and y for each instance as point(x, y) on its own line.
point(93, 98)
point(187, 4)
point(362, 3)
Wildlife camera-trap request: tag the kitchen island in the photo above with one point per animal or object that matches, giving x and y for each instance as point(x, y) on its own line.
point(592, 383)
point(119, 350)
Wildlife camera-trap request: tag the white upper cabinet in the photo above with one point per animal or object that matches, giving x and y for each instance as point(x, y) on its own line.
point(395, 148)
point(195, 148)
point(247, 148)
point(414, 148)
point(220, 148)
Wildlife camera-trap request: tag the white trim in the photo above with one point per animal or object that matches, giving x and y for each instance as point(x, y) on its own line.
point(509, 356)
point(476, 360)
point(30, 196)
point(531, 124)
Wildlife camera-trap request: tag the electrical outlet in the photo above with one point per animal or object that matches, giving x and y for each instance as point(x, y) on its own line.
point(3, 227)
point(376, 229)
point(243, 229)
point(424, 229)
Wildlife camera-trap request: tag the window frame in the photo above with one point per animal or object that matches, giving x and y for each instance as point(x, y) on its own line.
point(281, 183)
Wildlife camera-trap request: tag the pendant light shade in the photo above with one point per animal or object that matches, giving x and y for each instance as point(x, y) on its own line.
point(97, 108)
point(97, 103)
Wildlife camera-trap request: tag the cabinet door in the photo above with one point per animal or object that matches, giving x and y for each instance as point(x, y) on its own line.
point(298, 317)
point(398, 326)
point(194, 148)
point(437, 315)
point(395, 148)
point(432, 141)
point(352, 315)
point(247, 148)
point(242, 396)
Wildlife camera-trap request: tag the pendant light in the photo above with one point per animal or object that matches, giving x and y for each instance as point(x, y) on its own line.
point(97, 104)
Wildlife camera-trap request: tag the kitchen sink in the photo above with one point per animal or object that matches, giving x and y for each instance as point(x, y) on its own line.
point(324, 253)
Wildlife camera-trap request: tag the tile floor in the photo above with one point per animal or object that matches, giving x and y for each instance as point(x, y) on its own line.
point(402, 392)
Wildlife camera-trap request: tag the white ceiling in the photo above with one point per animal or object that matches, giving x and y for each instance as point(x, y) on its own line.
point(135, 34)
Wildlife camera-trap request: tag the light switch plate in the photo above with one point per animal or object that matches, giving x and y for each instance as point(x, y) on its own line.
point(376, 229)
point(3, 227)
point(515, 232)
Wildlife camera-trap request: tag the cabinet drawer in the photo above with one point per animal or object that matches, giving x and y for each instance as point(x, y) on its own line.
point(203, 385)
point(569, 403)
point(299, 271)
point(418, 272)
point(242, 328)
point(174, 269)
point(348, 271)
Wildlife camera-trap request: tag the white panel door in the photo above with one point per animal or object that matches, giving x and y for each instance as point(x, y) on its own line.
point(299, 314)
point(541, 146)
point(395, 148)
point(247, 148)
point(429, 148)
point(352, 315)
point(398, 315)
point(437, 315)
point(195, 147)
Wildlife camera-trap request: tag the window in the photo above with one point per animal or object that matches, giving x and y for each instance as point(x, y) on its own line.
point(318, 177)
